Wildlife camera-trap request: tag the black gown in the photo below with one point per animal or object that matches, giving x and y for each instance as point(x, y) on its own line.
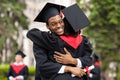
point(18, 70)
point(44, 45)
point(96, 73)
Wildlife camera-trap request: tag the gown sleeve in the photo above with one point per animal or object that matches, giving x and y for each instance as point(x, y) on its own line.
point(95, 73)
point(86, 51)
point(9, 73)
point(26, 73)
point(42, 38)
point(46, 67)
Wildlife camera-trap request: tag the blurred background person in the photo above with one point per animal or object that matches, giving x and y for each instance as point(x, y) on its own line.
point(18, 70)
point(95, 74)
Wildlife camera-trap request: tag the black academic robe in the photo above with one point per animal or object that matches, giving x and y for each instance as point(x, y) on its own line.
point(44, 45)
point(96, 73)
point(16, 70)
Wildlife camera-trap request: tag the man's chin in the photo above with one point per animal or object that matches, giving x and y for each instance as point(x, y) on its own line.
point(60, 33)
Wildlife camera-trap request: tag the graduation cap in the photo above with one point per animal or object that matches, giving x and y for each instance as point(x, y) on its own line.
point(96, 56)
point(75, 17)
point(48, 11)
point(20, 53)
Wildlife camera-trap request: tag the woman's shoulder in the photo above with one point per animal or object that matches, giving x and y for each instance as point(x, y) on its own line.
point(86, 41)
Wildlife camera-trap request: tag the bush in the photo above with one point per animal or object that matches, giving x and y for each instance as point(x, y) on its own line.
point(3, 78)
point(32, 71)
point(118, 75)
point(3, 72)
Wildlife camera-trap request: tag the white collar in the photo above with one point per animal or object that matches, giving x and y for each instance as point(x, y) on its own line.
point(20, 63)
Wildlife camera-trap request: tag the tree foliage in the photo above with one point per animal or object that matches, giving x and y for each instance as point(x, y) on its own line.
point(104, 29)
point(11, 18)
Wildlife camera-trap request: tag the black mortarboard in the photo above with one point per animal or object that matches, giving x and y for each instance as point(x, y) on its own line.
point(20, 53)
point(75, 17)
point(49, 10)
point(96, 56)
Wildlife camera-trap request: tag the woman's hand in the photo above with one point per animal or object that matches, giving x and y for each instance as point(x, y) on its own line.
point(75, 70)
point(65, 58)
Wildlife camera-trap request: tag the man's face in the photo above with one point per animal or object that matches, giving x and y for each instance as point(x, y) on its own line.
point(56, 25)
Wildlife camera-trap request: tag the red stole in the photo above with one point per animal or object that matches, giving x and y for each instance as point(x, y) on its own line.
point(17, 68)
point(72, 41)
point(98, 63)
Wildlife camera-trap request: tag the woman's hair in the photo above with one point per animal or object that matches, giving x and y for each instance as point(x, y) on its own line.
point(69, 30)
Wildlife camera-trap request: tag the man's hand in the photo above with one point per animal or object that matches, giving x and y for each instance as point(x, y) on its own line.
point(65, 58)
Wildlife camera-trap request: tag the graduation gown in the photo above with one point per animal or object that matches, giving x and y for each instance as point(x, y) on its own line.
point(17, 70)
point(44, 45)
point(95, 73)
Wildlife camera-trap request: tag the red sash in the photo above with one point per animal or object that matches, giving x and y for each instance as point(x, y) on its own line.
point(72, 41)
point(17, 68)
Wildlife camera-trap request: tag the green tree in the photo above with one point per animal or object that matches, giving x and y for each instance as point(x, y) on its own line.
point(104, 29)
point(11, 18)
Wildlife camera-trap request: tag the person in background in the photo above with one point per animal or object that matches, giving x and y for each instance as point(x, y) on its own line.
point(95, 74)
point(62, 51)
point(18, 70)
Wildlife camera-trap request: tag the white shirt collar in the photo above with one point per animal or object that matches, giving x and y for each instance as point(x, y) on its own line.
point(20, 63)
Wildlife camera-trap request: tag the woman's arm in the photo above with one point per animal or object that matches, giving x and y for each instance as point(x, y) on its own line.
point(85, 50)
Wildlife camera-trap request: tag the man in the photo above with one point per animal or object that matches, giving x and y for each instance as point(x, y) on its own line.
point(18, 70)
point(95, 74)
point(61, 52)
